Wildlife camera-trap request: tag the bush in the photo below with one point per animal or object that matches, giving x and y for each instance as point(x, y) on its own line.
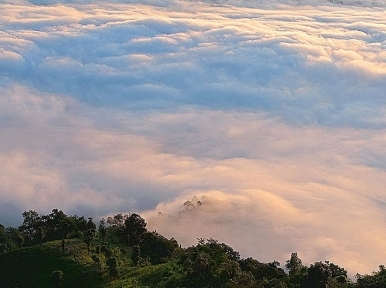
point(57, 278)
point(112, 262)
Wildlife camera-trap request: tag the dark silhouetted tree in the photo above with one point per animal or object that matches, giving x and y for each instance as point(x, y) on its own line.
point(5, 239)
point(3, 247)
point(57, 278)
point(133, 230)
point(294, 264)
point(319, 274)
point(112, 263)
point(20, 241)
point(31, 227)
point(157, 247)
point(90, 233)
point(102, 229)
point(136, 256)
point(376, 280)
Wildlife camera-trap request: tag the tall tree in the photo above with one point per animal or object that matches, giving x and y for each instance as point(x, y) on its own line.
point(133, 230)
point(3, 234)
point(30, 228)
point(157, 247)
point(319, 274)
point(59, 224)
point(294, 264)
point(102, 229)
point(90, 233)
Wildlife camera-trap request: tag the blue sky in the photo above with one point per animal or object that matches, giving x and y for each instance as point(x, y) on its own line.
point(274, 112)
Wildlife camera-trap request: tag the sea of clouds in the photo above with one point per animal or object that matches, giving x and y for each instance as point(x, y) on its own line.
point(271, 113)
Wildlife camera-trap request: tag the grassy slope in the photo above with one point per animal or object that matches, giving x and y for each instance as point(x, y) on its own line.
point(156, 276)
point(33, 266)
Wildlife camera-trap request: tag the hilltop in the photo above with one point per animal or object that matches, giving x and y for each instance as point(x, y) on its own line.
point(57, 250)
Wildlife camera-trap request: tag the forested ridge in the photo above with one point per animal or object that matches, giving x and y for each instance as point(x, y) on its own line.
point(57, 250)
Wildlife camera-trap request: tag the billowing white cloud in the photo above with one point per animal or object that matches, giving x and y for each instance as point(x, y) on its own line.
point(274, 112)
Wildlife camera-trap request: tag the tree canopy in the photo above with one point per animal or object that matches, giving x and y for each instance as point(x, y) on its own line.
point(124, 238)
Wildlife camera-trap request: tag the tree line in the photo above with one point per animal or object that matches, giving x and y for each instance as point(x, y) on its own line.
point(209, 263)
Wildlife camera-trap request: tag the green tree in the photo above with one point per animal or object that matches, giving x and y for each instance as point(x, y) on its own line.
point(31, 227)
point(90, 233)
point(5, 239)
point(136, 256)
point(115, 227)
point(220, 249)
point(117, 220)
point(102, 229)
point(97, 263)
point(157, 247)
point(297, 272)
point(376, 280)
point(3, 234)
point(112, 263)
point(262, 272)
point(326, 274)
point(337, 271)
point(319, 274)
point(210, 264)
point(294, 264)
point(58, 226)
point(228, 271)
point(13, 235)
point(133, 230)
point(20, 241)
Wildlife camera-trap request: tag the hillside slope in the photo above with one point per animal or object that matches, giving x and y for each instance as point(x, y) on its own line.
point(33, 266)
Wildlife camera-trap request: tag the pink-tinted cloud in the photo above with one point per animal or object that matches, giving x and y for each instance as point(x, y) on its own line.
point(274, 112)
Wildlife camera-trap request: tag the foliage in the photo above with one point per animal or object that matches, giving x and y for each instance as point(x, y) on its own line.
point(102, 229)
point(136, 256)
point(57, 278)
point(126, 254)
point(294, 264)
point(156, 247)
point(376, 280)
point(38, 228)
point(31, 267)
point(133, 229)
point(112, 263)
point(90, 233)
point(209, 264)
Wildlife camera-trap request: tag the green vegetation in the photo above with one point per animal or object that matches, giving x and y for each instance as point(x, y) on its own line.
point(57, 250)
point(34, 266)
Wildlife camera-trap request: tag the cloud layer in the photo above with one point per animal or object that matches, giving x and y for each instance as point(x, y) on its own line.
point(274, 112)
